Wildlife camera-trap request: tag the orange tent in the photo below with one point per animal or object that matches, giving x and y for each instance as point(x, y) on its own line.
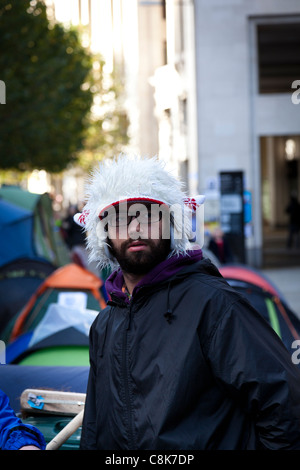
point(70, 277)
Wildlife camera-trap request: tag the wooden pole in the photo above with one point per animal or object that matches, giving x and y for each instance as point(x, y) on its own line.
point(66, 432)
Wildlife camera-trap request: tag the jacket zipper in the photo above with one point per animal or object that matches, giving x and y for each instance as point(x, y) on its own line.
point(126, 373)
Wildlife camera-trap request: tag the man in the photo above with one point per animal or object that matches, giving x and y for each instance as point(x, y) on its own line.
point(15, 435)
point(293, 209)
point(179, 360)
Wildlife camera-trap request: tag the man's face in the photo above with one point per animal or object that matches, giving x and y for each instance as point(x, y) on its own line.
point(136, 238)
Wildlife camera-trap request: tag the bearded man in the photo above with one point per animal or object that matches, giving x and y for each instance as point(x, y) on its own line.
point(179, 359)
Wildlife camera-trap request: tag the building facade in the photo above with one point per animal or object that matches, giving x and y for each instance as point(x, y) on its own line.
point(211, 86)
point(248, 116)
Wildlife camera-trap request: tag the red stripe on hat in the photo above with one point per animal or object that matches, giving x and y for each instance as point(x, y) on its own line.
point(131, 199)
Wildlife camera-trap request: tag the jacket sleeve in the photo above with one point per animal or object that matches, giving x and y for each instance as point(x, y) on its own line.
point(252, 364)
point(88, 433)
point(13, 433)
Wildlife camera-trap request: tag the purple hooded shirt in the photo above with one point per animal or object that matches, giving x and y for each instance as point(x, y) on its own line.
point(164, 270)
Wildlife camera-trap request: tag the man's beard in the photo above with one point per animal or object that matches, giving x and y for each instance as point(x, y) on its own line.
point(140, 262)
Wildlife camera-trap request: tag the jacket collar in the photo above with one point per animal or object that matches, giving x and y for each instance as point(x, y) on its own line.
point(159, 274)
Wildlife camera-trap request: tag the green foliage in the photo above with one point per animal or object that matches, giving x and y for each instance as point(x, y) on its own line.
point(48, 95)
point(107, 130)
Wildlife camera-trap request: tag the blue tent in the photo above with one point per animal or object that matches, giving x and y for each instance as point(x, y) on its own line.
point(21, 269)
point(14, 379)
point(44, 241)
point(16, 233)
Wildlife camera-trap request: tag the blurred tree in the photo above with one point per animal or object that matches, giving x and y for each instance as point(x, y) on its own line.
point(107, 132)
point(50, 89)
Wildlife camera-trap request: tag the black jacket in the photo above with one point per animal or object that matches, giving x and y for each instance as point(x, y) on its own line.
point(189, 364)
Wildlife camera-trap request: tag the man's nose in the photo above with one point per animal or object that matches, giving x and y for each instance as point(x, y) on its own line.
point(134, 227)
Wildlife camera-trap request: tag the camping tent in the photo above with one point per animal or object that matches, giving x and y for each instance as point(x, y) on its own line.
point(58, 315)
point(30, 247)
point(267, 299)
point(19, 279)
point(61, 338)
point(41, 237)
point(14, 379)
point(16, 233)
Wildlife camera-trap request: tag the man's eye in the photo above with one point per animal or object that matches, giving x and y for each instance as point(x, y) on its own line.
point(121, 219)
point(145, 217)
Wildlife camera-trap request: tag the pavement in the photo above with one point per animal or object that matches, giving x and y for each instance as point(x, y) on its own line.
point(287, 281)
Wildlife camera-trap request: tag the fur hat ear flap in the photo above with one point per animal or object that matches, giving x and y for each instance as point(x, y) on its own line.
point(108, 253)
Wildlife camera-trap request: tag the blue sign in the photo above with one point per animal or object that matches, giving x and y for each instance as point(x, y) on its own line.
point(247, 207)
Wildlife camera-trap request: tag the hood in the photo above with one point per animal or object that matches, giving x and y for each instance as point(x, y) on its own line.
point(162, 273)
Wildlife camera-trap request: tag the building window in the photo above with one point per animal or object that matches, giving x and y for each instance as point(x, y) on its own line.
point(278, 56)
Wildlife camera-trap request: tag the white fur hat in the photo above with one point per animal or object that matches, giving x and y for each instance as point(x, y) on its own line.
point(133, 179)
